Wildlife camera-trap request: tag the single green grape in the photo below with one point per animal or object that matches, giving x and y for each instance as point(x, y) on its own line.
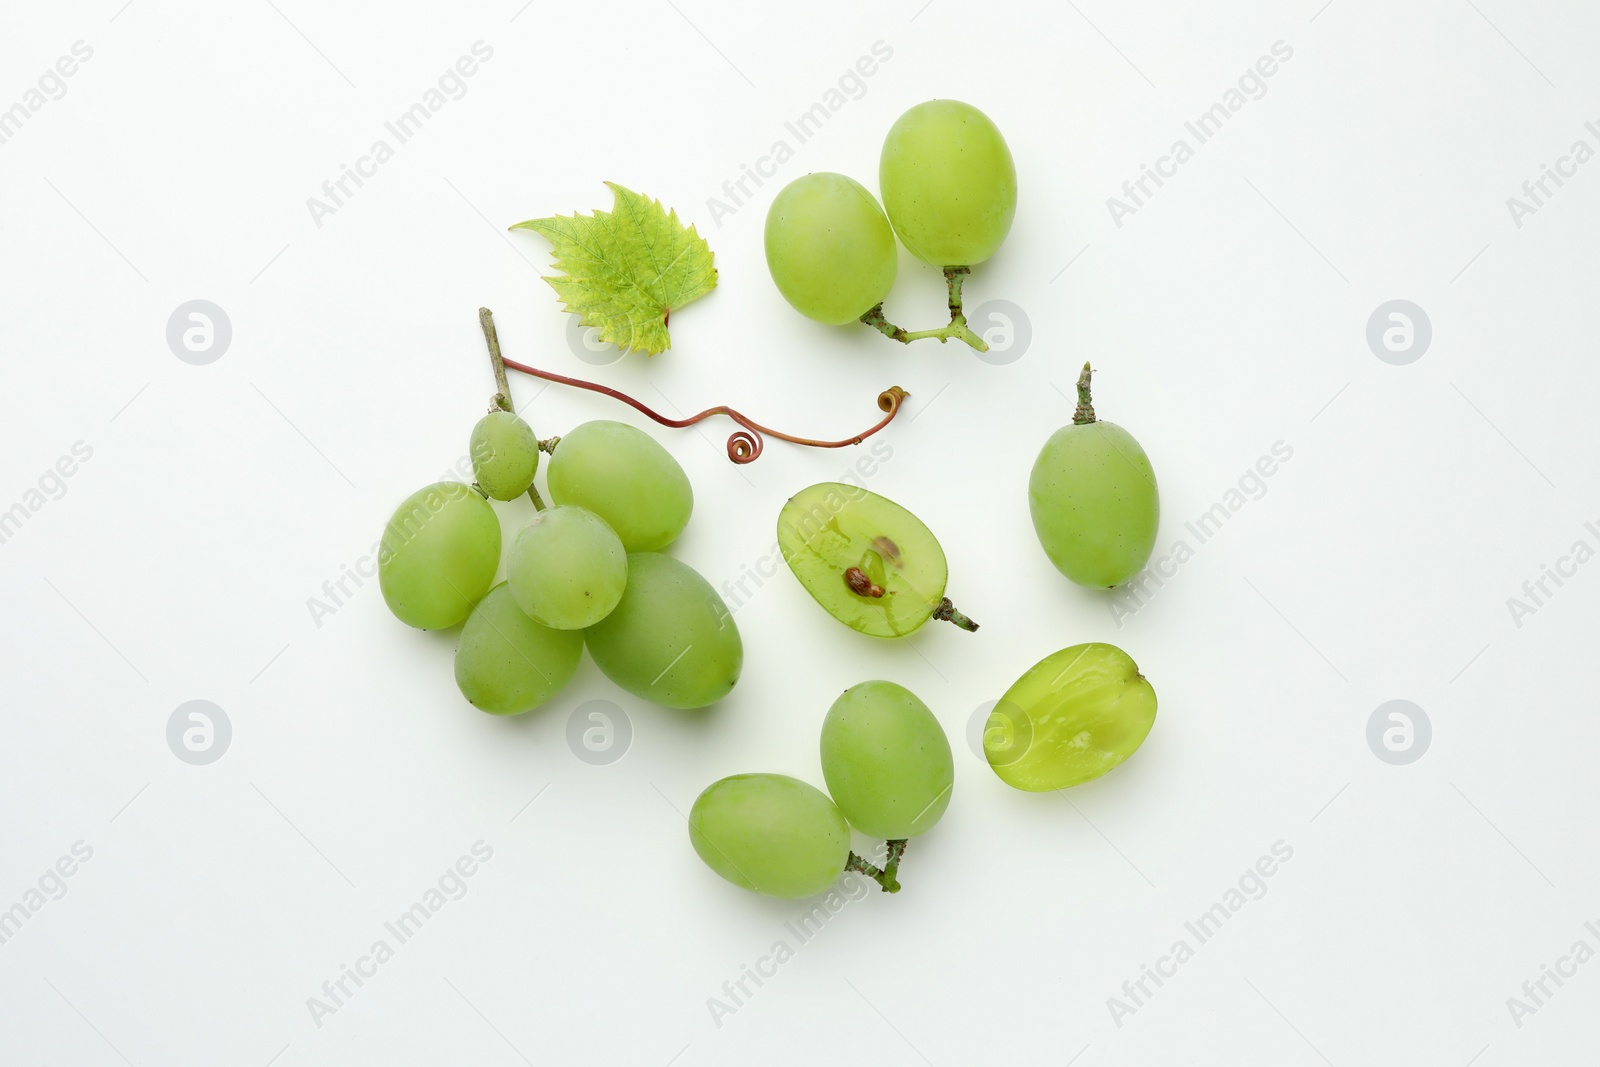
point(869, 562)
point(1093, 498)
point(886, 761)
point(670, 640)
point(567, 568)
point(506, 663)
point(948, 183)
point(829, 248)
point(1071, 718)
point(770, 833)
point(624, 476)
point(505, 455)
point(438, 555)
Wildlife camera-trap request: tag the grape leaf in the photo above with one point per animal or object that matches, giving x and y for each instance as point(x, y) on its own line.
point(626, 271)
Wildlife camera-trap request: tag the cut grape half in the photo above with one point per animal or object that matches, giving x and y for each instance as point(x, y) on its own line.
point(869, 562)
point(1071, 718)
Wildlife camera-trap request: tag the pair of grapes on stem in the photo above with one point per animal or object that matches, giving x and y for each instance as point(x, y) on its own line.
point(949, 193)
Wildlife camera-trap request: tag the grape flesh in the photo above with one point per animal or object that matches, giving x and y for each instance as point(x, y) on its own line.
point(624, 476)
point(505, 455)
point(506, 663)
point(671, 639)
point(770, 833)
point(1094, 502)
point(829, 248)
point(1071, 718)
point(438, 555)
point(948, 183)
point(567, 568)
point(886, 760)
point(838, 539)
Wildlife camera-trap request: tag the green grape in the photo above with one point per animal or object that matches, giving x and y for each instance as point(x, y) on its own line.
point(829, 248)
point(886, 761)
point(505, 455)
point(869, 562)
point(770, 833)
point(567, 568)
point(1072, 717)
point(624, 476)
point(948, 183)
point(1094, 500)
point(506, 663)
point(438, 555)
point(671, 639)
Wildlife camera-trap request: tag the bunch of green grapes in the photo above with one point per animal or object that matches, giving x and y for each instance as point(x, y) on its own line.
point(889, 771)
point(587, 571)
point(949, 191)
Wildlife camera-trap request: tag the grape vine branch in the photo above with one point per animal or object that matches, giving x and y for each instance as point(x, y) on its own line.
point(953, 279)
point(744, 445)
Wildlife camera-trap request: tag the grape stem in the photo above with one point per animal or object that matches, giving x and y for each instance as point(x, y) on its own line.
point(502, 398)
point(953, 279)
point(946, 612)
point(885, 877)
point(1085, 410)
point(744, 445)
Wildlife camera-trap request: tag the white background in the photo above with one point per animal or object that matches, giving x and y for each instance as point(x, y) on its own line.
point(1228, 314)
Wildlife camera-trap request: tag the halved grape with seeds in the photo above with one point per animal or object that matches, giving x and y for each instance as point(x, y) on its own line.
point(869, 562)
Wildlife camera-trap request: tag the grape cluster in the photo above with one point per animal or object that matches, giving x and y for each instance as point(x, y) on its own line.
point(889, 771)
point(587, 570)
point(949, 193)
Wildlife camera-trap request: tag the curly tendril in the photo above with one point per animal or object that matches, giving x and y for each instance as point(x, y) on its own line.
point(744, 445)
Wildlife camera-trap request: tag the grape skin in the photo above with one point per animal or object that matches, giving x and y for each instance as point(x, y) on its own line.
point(567, 568)
point(623, 475)
point(948, 182)
point(829, 248)
point(886, 760)
point(828, 528)
point(671, 639)
point(770, 833)
point(1094, 502)
point(438, 555)
point(505, 455)
point(506, 663)
point(1072, 717)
